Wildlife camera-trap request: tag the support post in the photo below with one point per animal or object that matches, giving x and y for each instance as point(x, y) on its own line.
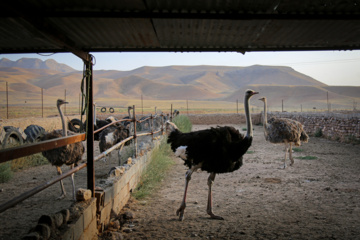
point(142, 106)
point(171, 113)
point(135, 137)
point(90, 128)
point(7, 101)
point(65, 104)
point(42, 103)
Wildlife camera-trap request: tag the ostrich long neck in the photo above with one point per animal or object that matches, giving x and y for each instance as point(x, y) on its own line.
point(265, 115)
point(62, 121)
point(249, 132)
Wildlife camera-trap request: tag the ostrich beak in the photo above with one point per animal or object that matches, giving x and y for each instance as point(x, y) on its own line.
point(66, 102)
point(255, 93)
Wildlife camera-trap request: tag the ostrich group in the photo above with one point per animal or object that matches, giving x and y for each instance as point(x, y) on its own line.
point(283, 130)
point(221, 149)
point(68, 155)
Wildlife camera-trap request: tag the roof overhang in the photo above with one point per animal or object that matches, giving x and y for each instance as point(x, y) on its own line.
point(39, 26)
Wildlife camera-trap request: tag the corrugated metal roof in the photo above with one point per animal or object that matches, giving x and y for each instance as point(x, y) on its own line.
point(178, 25)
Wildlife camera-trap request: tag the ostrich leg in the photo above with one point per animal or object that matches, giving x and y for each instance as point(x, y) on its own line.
point(73, 182)
point(290, 155)
point(63, 193)
point(181, 210)
point(286, 150)
point(209, 204)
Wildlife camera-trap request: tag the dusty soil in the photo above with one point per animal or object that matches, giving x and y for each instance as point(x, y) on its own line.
point(314, 199)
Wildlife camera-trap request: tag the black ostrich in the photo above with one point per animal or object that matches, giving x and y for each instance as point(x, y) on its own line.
point(68, 155)
point(112, 135)
point(215, 150)
point(102, 123)
point(126, 123)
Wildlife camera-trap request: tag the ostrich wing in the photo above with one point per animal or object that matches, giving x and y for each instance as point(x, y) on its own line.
point(219, 149)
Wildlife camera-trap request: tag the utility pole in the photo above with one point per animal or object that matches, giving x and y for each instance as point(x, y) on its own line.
point(327, 99)
point(237, 106)
point(282, 105)
point(187, 107)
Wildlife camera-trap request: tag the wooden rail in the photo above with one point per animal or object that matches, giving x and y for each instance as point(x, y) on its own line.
point(26, 150)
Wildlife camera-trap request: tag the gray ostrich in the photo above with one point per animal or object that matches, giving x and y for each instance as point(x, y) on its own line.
point(111, 136)
point(283, 130)
point(216, 150)
point(68, 155)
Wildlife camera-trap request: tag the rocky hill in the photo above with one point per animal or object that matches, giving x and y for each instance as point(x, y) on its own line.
point(216, 83)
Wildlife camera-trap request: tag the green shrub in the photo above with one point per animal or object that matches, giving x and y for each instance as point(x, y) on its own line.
point(29, 161)
point(7, 169)
point(5, 172)
point(183, 123)
point(155, 172)
point(307, 158)
point(352, 139)
point(298, 150)
point(318, 133)
point(160, 162)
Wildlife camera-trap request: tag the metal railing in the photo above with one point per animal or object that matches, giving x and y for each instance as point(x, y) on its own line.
point(26, 150)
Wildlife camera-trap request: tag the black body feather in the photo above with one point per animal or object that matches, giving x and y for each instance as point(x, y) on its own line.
point(112, 135)
point(219, 149)
point(68, 155)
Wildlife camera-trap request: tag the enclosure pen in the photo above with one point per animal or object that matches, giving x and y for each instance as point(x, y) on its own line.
point(22, 151)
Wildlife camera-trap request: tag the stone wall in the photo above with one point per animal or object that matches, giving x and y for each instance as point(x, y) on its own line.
point(86, 219)
point(222, 118)
point(335, 126)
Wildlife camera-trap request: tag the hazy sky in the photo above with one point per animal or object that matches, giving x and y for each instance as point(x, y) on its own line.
point(340, 68)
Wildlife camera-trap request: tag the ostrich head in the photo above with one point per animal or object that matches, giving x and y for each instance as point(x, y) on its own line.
point(111, 119)
point(249, 93)
point(61, 102)
point(169, 127)
point(263, 99)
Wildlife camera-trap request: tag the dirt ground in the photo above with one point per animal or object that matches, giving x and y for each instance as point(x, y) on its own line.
point(314, 199)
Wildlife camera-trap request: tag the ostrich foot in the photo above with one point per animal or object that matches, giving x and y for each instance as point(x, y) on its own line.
point(62, 196)
point(180, 212)
point(213, 216)
point(283, 166)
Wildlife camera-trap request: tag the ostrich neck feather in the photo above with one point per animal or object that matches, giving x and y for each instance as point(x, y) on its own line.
point(64, 132)
point(249, 132)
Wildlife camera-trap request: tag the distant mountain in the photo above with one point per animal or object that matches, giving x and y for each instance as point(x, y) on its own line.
point(217, 83)
point(232, 77)
point(35, 63)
